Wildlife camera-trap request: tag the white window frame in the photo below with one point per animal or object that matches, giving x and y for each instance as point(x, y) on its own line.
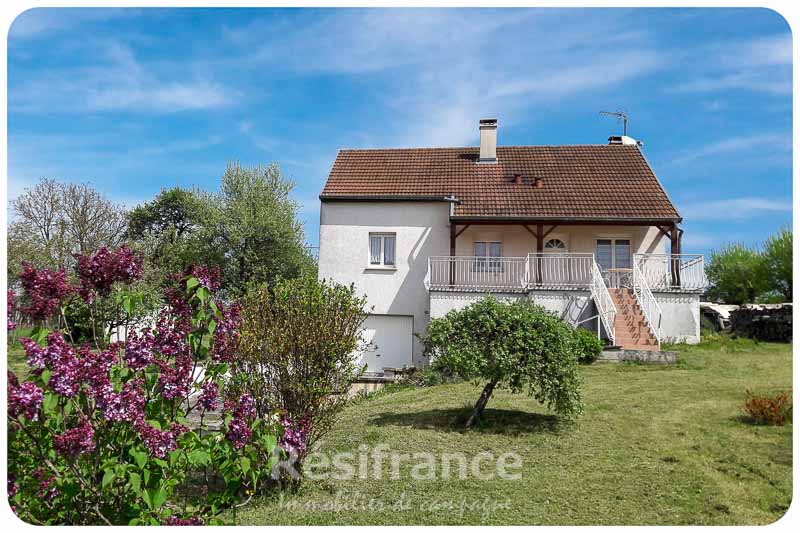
point(484, 263)
point(613, 241)
point(382, 263)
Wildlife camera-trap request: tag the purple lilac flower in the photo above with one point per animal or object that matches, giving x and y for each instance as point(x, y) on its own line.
point(226, 335)
point(60, 357)
point(139, 349)
point(76, 441)
point(176, 381)
point(295, 434)
point(11, 484)
point(99, 272)
point(239, 432)
point(208, 277)
point(95, 367)
point(159, 443)
point(45, 288)
point(47, 488)
point(25, 399)
point(127, 405)
point(33, 352)
point(10, 310)
point(170, 334)
point(209, 397)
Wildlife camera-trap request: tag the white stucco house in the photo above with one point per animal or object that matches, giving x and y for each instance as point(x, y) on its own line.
point(587, 231)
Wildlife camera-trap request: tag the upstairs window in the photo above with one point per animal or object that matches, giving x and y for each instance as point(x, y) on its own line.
point(382, 249)
point(485, 252)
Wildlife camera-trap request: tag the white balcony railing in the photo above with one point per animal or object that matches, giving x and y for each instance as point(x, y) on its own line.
point(675, 272)
point(477, 273)
point(560, 270)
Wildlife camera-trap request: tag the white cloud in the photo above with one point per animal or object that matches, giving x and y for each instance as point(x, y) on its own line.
point(117, 82)
point(441, 70)
point(768, 143)
point(734, 208)
point(759, 82)
point(761, 64)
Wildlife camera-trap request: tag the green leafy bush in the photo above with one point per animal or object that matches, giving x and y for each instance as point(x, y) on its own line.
point(519, 346)
point(588, 345)
point(740, 274)
point(296, 349)
point(737, 274)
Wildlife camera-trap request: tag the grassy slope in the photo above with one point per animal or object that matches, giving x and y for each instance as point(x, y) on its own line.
point(655, 446)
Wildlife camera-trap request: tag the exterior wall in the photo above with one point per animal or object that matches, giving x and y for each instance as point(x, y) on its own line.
point(680, 316)
point(444, 302)
point(573, 306)
point(518, 242)
point(422, 229)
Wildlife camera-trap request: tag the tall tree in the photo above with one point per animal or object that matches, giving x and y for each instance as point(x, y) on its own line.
point(778, 262)
point(52, 220)
point(259, 228)
point(176, 229)
point(737, 274)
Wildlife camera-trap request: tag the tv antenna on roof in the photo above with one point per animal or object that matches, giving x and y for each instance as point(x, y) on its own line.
point(621, 115)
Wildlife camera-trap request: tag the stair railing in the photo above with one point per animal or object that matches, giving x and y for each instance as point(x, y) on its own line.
point(602, 299)
point(646, 300)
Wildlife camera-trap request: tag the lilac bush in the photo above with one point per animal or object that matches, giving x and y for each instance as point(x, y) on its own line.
point(108, 435)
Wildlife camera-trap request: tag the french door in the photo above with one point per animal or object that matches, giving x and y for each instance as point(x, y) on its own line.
point(615, 261)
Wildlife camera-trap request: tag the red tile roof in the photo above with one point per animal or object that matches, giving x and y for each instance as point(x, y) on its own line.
point(612, 182)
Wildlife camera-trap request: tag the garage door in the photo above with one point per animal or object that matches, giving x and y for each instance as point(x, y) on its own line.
point(389, 338)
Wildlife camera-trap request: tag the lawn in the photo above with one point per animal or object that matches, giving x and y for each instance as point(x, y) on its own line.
point(656, 445)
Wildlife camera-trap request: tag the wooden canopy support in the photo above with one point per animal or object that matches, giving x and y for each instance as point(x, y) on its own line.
point(539, 231)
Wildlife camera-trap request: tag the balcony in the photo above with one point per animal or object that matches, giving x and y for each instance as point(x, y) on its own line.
point(561, 271)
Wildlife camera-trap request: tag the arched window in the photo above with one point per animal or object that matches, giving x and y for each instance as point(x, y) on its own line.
point(555, 244)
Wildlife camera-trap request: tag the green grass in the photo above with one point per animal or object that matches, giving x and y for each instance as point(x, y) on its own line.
point(16, 362)
point(656, 445)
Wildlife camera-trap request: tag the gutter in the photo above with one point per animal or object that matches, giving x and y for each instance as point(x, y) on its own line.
point(388, 198)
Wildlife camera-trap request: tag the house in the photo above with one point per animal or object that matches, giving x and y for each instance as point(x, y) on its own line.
point(587, 231)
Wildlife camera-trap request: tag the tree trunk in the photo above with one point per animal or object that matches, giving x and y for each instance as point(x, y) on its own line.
point(481, 403)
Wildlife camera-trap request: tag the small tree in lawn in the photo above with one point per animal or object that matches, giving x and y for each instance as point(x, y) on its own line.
point(519, 346)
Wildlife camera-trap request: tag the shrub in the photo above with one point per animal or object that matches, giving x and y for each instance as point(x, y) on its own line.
point(769, 410)
point(111, 437)
point(589, 347)
point(298, 339)
point(737, 274)
point(519, 346)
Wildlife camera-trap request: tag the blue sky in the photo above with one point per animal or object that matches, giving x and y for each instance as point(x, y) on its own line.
point(134, 100)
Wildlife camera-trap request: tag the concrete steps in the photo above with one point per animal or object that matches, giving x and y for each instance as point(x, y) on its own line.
point(631, 331)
